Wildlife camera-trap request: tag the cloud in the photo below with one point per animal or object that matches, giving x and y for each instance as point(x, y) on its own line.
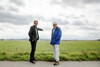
point(6, 17)
point(8, 7)
point(84, 25)
point(75, 22)
point(60, 21)
point(91, 1)
point(94, 35)
point(78, 23)
point(74, 3)
point(73, 16)
point(1, 29)
point(87, 28)
point(2, 8)
point(17, 2)
point(11, 8)
point(10, 31)
point(15, 19)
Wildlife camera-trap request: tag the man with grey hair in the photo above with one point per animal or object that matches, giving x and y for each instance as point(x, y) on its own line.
point(55, 41)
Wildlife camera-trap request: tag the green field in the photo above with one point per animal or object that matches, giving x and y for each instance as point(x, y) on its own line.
point(69, 50)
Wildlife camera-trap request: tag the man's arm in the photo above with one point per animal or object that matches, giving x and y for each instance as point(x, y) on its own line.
point(30, 33)
point(39, 29)
point(58, 35)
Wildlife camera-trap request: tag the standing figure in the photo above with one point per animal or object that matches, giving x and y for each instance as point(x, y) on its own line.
point(34, 37)
point(55, 41)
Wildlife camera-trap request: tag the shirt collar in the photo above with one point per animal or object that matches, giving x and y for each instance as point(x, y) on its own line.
point(55, 29)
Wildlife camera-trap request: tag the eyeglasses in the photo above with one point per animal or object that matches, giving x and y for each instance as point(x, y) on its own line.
point(35, 23)
point(54, 24)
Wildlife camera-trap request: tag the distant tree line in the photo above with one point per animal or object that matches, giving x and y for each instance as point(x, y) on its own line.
point(1, 39)
point(98, 39)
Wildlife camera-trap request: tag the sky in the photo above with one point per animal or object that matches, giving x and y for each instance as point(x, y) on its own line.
point(78, 19)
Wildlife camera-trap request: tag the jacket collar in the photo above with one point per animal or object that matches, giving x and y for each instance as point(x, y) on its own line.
point(56, 28)
point(34, 26)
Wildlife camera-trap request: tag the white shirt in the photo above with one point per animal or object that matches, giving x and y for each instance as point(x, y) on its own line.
point(53, 30)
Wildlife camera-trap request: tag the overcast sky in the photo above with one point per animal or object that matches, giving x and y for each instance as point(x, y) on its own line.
point(78, 19)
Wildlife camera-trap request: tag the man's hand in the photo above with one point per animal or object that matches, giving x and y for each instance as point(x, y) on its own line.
point(33, 40)
point(40, 29)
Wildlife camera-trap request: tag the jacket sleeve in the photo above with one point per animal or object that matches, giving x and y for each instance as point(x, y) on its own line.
point(51, 37)
point(30, 33)
point(59, 34)
point(39, 29)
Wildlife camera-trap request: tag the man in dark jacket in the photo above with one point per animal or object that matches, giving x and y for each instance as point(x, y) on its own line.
point(34, 36)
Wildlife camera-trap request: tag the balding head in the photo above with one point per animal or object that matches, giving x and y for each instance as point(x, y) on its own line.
point(54, 25)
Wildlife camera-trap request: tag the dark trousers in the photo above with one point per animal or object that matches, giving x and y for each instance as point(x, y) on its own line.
point(33, 48)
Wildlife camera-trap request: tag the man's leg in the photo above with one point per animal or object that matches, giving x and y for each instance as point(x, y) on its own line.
point(53, 48)
point(56, 54)
point(33, 48)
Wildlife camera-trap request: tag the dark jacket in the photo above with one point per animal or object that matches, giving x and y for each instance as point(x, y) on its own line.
point(56, 36)
point(32, 33)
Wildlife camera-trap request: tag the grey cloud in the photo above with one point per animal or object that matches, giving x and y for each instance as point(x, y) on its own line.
point(1, 29)
point(91, 1)
point(18, 19)
point(78, 23)
point(9, 8)
point(84, 25)
point(17, 2)
point(87, 28)
point(53, 19)
point(15, 19)
point(59, 21)
point(74, 16)
point(2, 8)
point(94, 35)
point(47, 28)
point(79, 3)
point(13, 9)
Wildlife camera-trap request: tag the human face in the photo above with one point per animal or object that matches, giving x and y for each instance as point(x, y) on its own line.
point(54, 26)
point(36, 23)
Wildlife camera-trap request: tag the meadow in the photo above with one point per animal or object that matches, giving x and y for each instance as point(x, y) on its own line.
point(69, 51)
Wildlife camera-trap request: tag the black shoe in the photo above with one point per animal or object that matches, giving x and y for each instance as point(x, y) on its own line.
point(53, 60)
point(56, 63)
point(32, 62)
point(35, 60)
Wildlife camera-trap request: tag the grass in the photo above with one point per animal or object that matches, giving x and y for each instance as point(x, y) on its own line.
point(69, 51)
